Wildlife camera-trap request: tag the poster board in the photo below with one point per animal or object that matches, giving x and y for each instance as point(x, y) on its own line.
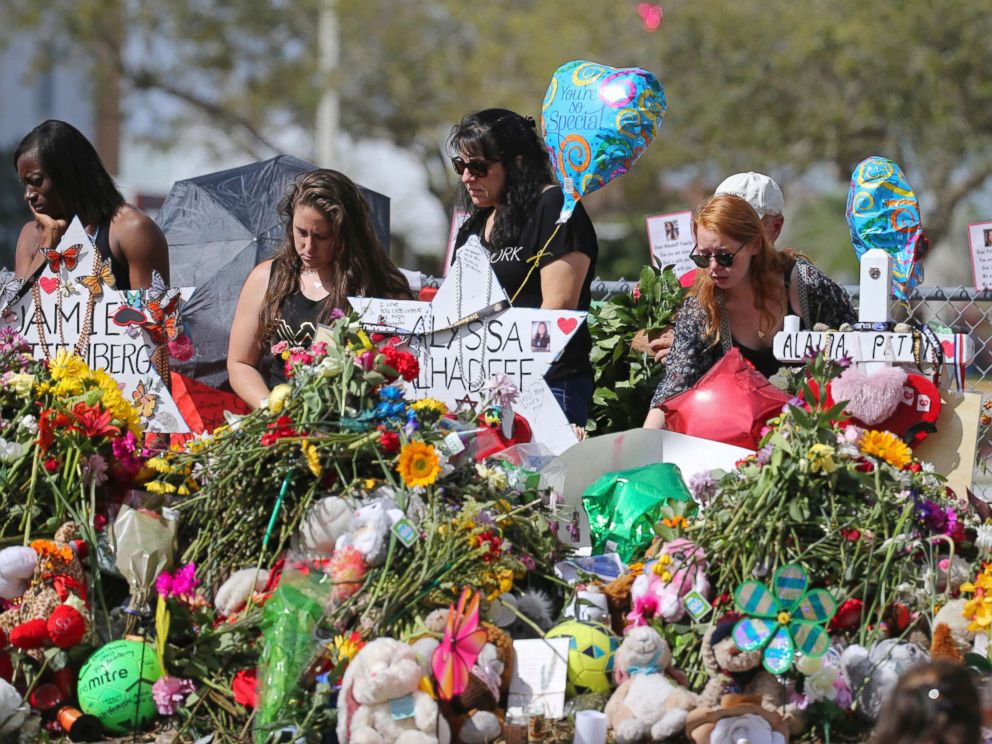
point(70, 307)
point(468, 333)
point(671, 240)
point(952, 449)
point(458, 218)
point(980, 240)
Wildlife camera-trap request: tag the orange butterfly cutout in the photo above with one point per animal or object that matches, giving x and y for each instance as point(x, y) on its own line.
point(144, 402)
point(69, 257)
point(94, 282)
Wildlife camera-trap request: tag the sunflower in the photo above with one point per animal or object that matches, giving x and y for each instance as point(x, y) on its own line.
point(886, 446)
point(419, 464)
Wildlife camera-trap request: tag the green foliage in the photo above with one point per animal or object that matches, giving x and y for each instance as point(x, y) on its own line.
point(626, 379)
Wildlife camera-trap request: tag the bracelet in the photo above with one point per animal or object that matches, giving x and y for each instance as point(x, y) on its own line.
point(876, 325)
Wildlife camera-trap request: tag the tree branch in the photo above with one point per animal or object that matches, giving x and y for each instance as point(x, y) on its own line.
point(949, 196)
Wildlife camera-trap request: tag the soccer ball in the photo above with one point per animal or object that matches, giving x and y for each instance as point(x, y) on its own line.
point(590, 655)
point(115, 685)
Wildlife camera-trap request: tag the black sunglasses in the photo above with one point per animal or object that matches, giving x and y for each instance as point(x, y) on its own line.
point(723, 259)
point(477, 168)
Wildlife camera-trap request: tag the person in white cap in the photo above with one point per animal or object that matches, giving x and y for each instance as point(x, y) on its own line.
point(762, 193)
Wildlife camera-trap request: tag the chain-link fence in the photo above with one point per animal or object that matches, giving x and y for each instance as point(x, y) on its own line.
point(960, 308)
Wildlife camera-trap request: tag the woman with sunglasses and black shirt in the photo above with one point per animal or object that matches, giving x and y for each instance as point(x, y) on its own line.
point(514, 205)
point(740, 298)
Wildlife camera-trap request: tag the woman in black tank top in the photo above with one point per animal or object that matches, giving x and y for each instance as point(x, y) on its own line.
point(330, 253)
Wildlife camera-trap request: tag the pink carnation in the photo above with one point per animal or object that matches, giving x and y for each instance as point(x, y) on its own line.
point(181, 348)
point(280, 347)
point(178, 584)
point(170, 692)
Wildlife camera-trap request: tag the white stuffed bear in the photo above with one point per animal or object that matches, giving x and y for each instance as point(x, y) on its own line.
point(326, 521)
point(234, 593)
point(16, 569)
point(647, 706)
point(369, 532)
point(13, 711)
point(872, 674)
point(381, 702)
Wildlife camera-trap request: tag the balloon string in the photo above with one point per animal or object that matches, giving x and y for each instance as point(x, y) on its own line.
point(534, 261)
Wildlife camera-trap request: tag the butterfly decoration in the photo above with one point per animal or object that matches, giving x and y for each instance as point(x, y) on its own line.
point(462, 643)
point(145, 402)
point(10, 289)
point(101, 275)
point(68, 258)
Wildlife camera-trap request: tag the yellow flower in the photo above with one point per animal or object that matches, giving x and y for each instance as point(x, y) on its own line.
point(419, 464)
point(21, 383)
point(347, 646)
point(369, 484)
point(821, 458)
point(886, 446)
point(677, 522)
point(278, 397)
point(159, 465)
point(160, 487)
point(66, 366)
point(313, 457)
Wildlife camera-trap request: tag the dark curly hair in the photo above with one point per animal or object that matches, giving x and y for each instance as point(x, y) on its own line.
point(361, 265)
point(936, 703)
point(502, 135)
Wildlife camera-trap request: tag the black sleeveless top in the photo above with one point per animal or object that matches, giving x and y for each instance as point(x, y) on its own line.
point(122, 277)
point(297, 326)
point(764, 359)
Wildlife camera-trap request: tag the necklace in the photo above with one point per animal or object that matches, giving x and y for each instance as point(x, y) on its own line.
point(83, 342)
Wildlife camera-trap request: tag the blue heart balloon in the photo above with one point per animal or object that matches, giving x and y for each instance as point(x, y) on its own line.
point(597, 121)
point(883, 212)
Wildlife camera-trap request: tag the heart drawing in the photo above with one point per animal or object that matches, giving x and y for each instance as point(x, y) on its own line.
point(567, 325)
point(49, 283)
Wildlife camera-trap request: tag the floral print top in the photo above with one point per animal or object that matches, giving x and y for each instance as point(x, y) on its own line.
point(821, 300)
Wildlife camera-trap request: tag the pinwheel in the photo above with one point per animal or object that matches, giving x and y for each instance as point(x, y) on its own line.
point(785, 620)
point(462, 643)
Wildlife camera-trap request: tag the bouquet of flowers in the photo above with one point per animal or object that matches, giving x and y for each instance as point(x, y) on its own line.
point(66, 431)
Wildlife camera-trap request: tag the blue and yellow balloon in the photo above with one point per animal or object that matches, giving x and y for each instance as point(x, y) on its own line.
point(597, 121)
point(883, 212)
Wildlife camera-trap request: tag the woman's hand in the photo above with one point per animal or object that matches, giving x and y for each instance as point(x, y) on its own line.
point(655, 419)
point(51, 229)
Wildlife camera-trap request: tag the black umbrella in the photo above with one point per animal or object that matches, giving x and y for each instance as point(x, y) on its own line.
point(219, 227)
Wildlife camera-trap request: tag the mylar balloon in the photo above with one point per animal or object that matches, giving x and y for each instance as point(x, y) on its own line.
point(597, 121)
point(883, 212)
point(729, 404)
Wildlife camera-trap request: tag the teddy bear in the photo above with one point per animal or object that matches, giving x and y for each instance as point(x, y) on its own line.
point(647, 705)
point(52, 610)
point(738, 718)
point(381, 700)
point(474, 716)
point(951, 638)
point(872, 673)
point(369, 530)
point(326, 521)
point(679, 568)
point(740, 672)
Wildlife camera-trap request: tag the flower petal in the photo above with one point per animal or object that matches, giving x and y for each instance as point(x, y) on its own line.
point(779, 653)
point(753, 598)
point(810, 640)
point(752, 633)
point(789, 585)
point(817, 606)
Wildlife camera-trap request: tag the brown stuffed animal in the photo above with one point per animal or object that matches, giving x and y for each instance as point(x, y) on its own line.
point(52, 611)
point(734, 671)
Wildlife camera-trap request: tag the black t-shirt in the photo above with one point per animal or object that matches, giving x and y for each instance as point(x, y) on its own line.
point(511, 266)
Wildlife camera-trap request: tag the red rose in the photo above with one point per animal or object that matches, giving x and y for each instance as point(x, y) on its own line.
point(866, 466)
point(914, 467)
point(848, 616)
point(245, 688)
point(66, 626)
point(389, 441)
point(51, 464)
point(29, 635)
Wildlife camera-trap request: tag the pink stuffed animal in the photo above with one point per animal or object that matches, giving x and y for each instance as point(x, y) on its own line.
point(680, 568)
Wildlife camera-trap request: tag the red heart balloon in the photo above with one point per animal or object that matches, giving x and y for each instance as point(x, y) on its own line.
point(730, 404)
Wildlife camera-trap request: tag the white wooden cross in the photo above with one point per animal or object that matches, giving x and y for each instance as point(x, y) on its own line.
point(872, 348)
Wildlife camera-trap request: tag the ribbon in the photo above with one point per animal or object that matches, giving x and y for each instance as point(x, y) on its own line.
point(650, 668)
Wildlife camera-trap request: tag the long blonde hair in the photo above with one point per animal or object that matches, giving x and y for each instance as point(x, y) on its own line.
point(733, 218)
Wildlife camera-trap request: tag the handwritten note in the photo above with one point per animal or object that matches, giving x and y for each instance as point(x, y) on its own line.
point(980, 237)
point(540, 672)
point(671, 240)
